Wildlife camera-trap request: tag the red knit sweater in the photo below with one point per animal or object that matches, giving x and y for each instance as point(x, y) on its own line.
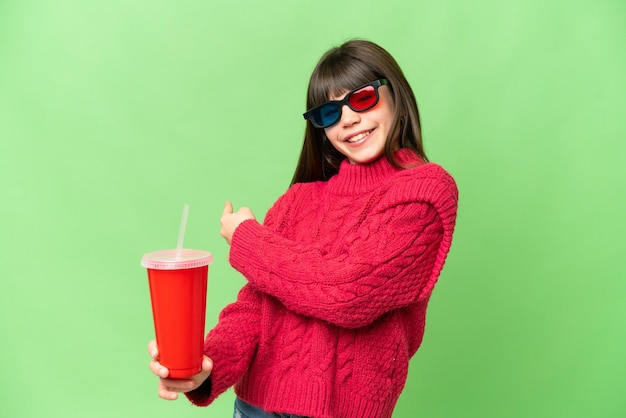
point(340, 275)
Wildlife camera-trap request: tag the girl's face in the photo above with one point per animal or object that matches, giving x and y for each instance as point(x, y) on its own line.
point(361, 136)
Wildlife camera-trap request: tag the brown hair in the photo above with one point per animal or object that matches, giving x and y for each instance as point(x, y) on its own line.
point(344, 68)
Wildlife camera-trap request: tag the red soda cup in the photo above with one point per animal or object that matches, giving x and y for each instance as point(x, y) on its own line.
point(178, 288)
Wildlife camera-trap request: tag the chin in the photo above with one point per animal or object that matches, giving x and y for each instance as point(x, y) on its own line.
point(365, 159)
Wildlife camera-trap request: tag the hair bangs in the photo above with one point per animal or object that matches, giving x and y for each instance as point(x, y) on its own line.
point(336, 75)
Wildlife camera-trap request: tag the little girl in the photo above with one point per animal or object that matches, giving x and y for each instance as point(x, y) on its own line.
point(342, 268)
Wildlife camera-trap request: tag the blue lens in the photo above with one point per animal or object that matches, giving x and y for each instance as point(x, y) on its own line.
point(329, 114)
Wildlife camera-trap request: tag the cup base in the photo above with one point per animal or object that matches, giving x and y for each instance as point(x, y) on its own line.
point(183, 373)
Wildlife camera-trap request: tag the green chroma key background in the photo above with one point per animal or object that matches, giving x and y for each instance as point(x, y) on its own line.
point(113, 114)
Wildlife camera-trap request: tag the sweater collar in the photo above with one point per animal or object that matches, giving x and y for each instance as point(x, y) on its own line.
point(355, 179)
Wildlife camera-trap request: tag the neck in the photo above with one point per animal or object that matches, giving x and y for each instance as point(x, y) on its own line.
point(360, 178)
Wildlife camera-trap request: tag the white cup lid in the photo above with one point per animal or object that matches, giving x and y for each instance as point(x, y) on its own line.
point(175, 260)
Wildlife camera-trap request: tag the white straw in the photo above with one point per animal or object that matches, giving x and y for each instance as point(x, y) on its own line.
point(181, 231)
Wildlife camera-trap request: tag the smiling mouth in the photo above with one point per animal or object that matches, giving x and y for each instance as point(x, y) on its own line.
point(358, 137)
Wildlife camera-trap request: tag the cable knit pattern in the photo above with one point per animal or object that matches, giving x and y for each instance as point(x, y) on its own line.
point(340, 275)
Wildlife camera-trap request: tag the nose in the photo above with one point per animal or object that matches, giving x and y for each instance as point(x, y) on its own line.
point(348, 116)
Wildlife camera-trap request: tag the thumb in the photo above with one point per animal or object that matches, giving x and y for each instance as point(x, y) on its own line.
point(228, 208)
point(207, 364)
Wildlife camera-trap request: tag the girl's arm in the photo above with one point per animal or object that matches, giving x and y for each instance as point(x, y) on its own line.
point(231, 345)
point(392, 261)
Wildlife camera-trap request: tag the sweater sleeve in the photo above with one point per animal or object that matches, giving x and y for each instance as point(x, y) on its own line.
point(231, 345)
point(391, 261)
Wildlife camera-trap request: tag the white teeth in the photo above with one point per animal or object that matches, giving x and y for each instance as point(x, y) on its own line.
point(359, 136)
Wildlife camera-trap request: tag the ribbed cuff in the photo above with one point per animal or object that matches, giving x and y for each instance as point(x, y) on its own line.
point(245, 245)
point(202, 395)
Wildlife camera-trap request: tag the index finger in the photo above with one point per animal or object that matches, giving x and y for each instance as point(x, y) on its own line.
point(159, 370)
point(153, 349)
point(228, 208)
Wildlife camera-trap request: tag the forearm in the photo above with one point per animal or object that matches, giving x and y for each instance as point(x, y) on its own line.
point(349, 290)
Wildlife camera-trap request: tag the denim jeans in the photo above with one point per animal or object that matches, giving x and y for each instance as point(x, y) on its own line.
point(245, 410)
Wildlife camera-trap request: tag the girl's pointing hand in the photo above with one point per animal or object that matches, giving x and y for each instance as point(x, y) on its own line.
point(230, 220)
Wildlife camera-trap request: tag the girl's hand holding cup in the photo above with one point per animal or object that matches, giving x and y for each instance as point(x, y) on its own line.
point(170, 388)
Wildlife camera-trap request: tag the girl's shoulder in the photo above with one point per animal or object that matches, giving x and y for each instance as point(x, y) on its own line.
point(424, 182)
point(419, 172)
point(299, 192)
point(308, 188)
point(428, 172)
